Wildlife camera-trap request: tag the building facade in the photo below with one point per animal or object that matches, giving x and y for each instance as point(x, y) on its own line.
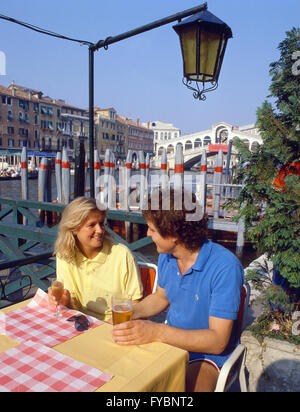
point(162, 132)
point(140, 138)
point(28, 118)
point(41, 123)
point(110, 132)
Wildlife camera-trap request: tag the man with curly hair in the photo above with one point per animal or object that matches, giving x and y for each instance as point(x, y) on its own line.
point(198, 280)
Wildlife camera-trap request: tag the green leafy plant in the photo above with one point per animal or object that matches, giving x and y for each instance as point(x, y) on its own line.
point(270, 198)
point(271, 212)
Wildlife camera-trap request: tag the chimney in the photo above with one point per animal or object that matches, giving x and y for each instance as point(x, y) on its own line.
point(12, 87)
point(148, 125)
point(137, 122)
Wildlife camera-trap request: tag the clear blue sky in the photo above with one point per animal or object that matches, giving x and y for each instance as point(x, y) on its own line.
point(141, 77)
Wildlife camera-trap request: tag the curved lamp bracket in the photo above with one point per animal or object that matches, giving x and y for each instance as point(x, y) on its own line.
point(198, 92)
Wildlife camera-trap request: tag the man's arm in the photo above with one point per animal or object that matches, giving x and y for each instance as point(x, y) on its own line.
point(213, 340)
point(152, 305)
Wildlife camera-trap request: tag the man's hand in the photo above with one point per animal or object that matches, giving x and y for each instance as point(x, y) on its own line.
point(136, 332)
point(65, 300)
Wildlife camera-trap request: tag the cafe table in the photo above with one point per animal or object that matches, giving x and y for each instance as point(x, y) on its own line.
point(154, 367)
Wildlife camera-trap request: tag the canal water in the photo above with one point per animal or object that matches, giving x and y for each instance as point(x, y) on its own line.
point(12, 189)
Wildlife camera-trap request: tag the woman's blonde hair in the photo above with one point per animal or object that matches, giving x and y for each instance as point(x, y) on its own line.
point(72, 219)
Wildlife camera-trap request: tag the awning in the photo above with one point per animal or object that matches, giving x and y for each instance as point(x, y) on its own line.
point(17, 152)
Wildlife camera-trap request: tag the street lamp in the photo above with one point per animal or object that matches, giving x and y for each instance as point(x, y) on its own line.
point(203, 40)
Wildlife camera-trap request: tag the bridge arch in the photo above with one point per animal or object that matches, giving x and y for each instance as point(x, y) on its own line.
point(170, 149)
point(207, 141)
point(188, 145)
point(246, 143)
point(160, 150)
point(197, 142)
point(218, 132)
point(254, 145)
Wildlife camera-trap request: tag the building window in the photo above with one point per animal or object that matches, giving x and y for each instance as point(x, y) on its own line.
point(10, 130)
point(6, 100)
point(44, 110)
point(24, 104)
point(11, 142)
point(22, 143)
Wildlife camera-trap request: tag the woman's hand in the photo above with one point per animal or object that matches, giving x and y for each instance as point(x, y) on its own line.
point(136, 332)
point(64, 301)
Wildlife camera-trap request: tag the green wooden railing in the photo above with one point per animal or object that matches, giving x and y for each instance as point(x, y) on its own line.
point(26, 242)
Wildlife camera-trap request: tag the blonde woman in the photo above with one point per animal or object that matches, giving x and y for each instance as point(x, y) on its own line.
point(91, 266)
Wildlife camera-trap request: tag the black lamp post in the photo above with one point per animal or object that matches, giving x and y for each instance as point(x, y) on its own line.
point(104, 44)
point(203, 39)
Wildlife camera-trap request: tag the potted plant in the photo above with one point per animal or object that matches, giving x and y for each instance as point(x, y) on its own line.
point(278, 303)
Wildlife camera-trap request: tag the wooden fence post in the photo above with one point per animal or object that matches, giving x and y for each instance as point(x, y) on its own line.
point(58, 176)
point(201, 191)
point(164, 169)
point(141, 159)
point(24, 180)
point(217, 181)
point(97, 172)
point(86, 165)
point(179, 167)
point(79, 169)
point(42, 182)
point(111, 181)
point(65, 177)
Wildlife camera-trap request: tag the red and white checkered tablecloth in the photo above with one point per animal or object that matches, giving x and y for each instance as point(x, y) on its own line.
point(37, 322)
point(31, 367)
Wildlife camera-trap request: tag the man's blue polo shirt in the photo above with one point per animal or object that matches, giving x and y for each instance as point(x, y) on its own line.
point(211, 287)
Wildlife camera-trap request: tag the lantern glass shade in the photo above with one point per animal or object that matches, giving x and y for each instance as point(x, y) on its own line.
point(203, 40)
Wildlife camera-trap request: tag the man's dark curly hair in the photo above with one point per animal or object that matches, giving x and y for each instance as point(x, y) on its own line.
point(177, 213)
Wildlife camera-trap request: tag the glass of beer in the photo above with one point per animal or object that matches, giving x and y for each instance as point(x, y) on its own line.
point(121, 309)
point(57, 288)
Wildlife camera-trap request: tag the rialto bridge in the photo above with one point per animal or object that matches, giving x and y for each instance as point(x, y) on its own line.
point(218, 137)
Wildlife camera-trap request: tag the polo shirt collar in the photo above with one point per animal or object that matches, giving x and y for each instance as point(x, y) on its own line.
point(203, 256)
point(100, 258)
point(201, 260)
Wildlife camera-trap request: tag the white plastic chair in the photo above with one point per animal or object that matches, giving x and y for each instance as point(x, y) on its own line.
point(234, 367)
